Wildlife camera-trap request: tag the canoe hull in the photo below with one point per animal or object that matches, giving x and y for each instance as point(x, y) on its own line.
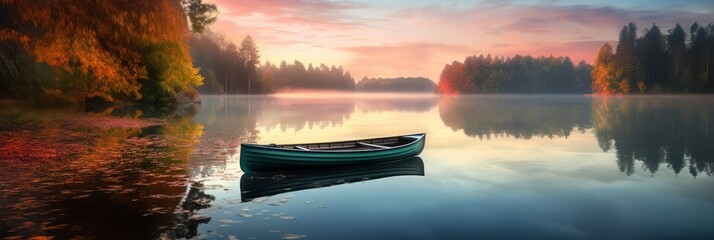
point(258, 158)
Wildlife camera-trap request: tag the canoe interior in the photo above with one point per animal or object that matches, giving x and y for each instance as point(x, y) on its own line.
point(363, 144)
point(271, 157)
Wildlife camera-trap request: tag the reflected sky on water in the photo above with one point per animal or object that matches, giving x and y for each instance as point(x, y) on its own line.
point(494, 166)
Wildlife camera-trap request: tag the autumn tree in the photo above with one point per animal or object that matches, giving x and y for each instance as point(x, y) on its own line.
point(604, 73)
point(675, 62)
point(107, 50)
point(450, 81)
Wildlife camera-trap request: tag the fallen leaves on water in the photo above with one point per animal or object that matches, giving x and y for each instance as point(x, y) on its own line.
point(293, 236)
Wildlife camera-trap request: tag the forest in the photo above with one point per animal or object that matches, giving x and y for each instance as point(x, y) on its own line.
point(163, 53)
point(520, 74)
point(118, 51)
point(296, 76)
point(675, 62)
point(226, 68)
point(401, 84)
point(100, 51)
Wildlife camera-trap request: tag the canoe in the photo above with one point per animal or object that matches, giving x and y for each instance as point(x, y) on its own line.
point(263, 184)
point(272, 157)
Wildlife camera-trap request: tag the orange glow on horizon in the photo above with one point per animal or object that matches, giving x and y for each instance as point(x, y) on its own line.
point(383, 39)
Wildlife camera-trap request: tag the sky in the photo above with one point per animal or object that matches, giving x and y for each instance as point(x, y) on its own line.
point(379, 38)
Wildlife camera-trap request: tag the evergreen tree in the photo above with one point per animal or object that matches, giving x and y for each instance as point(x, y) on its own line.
point(200, 14)
point(248, 52)
point(625, 54)
point(653, 57)
point(676, 48)
point(520, 74)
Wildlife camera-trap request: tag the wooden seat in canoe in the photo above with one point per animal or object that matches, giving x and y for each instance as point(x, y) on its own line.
point(372, 145)
point(272, 157)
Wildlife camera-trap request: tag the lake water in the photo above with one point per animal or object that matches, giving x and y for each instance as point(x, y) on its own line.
point(494, 166)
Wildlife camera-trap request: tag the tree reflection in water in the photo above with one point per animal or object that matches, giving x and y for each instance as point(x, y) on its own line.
point(187, 218)
point(119, 182)
point(149, 182)
point(673, 131)
point(519, 116)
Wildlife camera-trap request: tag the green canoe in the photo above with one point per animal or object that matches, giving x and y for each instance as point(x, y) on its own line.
point(262, 184)
point(273, 157)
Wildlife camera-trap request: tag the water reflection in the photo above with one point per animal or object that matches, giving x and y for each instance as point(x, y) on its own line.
point(227, 122)
point(548, 166)
point(256, 185)
point(121, 182)
point(187, 219)
point(404, 103)
point(519, 116)
point(299, 113)
point(671, 131)
point(654, 130)
point(307, 112)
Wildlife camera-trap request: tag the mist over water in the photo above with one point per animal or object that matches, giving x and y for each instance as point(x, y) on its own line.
point(494, 166)
point(549, 166)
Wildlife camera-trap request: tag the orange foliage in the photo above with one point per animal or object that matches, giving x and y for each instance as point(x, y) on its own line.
point(98, 44)
point(451, 78)
point(604, 73)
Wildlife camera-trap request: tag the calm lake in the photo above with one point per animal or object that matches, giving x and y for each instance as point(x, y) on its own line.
point(494, 166)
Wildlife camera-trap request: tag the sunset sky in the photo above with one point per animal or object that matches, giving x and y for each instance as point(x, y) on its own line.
point(417, 38)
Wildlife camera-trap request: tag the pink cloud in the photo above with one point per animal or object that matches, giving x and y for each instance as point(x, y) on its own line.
point(404, 59)
point(315, 13)
point(392, 41)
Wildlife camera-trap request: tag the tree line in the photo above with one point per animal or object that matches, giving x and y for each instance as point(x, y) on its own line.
point(296, 76)
point(519, 74)
point(117, 51)
point(401, 84)
point(227, 68)
point(90, 51)
point(676, 62)
point(232, 69)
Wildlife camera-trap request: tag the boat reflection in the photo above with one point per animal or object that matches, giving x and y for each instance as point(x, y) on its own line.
point(255, 185)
